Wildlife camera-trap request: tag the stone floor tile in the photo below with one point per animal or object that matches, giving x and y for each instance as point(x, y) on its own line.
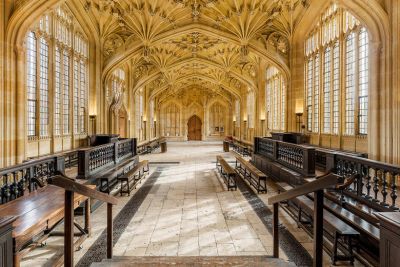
point(225, 249)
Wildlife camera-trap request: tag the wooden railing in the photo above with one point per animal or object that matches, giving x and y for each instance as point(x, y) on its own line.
point(324, 158)
point(16, 180)
point(71, 158)
point(317, 187)
point(93, 160)
point(71, 187)
point(300, 158)
point(377, 183)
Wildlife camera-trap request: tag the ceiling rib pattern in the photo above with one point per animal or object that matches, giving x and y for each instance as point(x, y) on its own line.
point(222, 52)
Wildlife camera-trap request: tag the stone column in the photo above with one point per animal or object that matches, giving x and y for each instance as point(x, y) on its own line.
point(261, 101)
point(374, 111)
point(20, 105)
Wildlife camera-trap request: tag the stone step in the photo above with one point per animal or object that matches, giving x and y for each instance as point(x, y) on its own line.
point(240, 261)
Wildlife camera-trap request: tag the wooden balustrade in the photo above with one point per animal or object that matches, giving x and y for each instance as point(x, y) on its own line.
point(71, 158)
point(376, 184)
point(16, 180)
point(93, 160)
point(324, 158)
point(300, 158)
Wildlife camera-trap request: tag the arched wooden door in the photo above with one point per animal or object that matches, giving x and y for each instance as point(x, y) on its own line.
point(194, 128)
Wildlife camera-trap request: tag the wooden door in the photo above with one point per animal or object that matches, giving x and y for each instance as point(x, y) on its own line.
point(194, 128)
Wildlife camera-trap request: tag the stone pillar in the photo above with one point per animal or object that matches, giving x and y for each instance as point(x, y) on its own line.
point(374, 111)
point(394, 14)
point(261, 101)
point(20, 105)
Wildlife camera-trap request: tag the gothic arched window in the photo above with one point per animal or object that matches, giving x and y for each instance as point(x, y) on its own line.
point(337, 75)
point(70, 65)
point(276, 99)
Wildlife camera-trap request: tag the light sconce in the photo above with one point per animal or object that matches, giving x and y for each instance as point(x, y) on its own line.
point(262, 117)
point(299, 107)
point(299, 113)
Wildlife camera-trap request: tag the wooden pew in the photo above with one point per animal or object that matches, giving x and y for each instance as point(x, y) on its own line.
point(134, 175)
point(108, 180)
point(147, 147)
point(227, 172)
point(254, 176)
point(333, 226)
point(38, 213)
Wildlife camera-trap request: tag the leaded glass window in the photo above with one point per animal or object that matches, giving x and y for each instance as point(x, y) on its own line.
point(44, 86)
point(31, 85)
point(57, 93)
point(326, 66)
point(58, 25)
point(276, 99)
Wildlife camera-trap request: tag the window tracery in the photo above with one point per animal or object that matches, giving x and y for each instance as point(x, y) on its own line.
point(171, 120)
point(250, 109)
point(276, 99)
point(49, 43)
point(139, 111)
point(336, 82)
point(217, 117)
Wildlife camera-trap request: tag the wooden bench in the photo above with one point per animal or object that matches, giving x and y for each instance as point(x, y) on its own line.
point(147, 147)
point(38, 213)
point(152, 145)
point(361, 224)
point(241, 149)
point(254, 176)
point(333, 226)
point(227, 172)
point(108, 180)
point(134, 175)
point(218, 165)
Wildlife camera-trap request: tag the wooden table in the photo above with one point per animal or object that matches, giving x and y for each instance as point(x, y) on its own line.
point(38, 213)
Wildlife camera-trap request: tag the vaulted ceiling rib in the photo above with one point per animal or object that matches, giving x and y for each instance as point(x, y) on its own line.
point(219, 40)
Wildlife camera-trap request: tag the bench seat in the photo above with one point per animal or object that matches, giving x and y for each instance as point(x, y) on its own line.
point(108, 179)
point(361, 224)
point(335, 227)
point(227, 172)
point(133, 176)
point(250, 173)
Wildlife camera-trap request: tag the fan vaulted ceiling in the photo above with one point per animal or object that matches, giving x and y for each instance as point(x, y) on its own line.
point(213, 45)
